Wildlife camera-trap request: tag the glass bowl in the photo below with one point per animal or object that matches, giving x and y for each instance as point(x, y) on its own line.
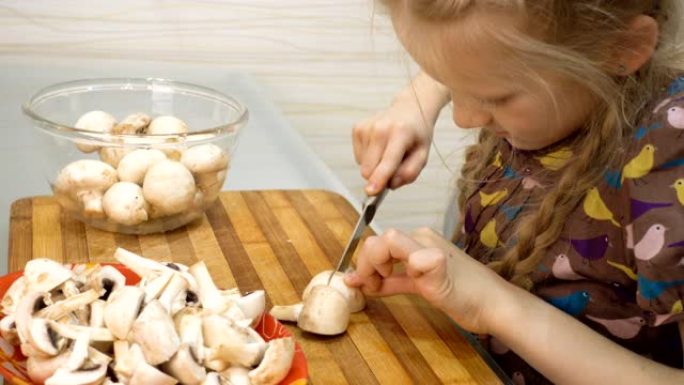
point(135, 156)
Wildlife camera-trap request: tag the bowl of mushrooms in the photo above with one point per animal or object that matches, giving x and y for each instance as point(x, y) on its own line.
point(140, 322)
point(135, 156)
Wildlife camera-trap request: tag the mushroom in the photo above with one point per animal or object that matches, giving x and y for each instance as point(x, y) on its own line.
point(134, 124)
point(40, 368)
point(276, 363)
point(96, 121)
point(354, 296)
point(62, 308)
point(114, 152)
point(171, 126)
point(229, 343)
point(135, 164)
point(325, 311)
point(84, 181)
point(83, 376)
point(105, 279)
point(185, 367)
point(124, 204)
point(8, 330)
point(146, 374)
point(213, 378)
point(208, 164)
point(169, 187)
point(44, 274)
point(121, 310)
point(287, 313)
point(214, 300)
point(35, 335)
point(13, 295)
point(154, 331)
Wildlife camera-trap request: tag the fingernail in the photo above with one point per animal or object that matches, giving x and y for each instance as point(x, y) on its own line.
point(396, 181)
point(371, 188)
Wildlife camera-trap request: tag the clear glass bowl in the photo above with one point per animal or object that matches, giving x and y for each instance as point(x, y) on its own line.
point(135, 178)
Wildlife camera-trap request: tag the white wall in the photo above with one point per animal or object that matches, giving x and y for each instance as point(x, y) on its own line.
point(326, 64)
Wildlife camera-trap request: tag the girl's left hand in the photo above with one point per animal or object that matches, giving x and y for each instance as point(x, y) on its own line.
point(435, 269)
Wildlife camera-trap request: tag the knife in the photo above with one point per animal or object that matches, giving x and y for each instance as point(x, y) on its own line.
point(368, 211)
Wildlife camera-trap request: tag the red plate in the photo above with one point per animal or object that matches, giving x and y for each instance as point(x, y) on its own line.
point(13, 363)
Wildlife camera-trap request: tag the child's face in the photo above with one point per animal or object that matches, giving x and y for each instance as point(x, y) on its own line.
point(485, 90)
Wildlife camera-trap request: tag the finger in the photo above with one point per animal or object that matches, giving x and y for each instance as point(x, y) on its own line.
point(410, 168)
point(373, 259)
point(398, 283)
point(359, 133)
point(392, 158)
point(426, 262)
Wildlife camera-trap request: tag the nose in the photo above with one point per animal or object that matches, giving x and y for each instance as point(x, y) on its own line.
point(469, 116)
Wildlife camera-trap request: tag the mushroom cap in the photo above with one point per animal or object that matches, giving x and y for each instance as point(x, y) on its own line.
point(113, 155)
point(325, 311)
point(13, 295)
point(169, 187)
point(96, 121)
point(85, 175)
point(167, 125)
point(121, 309)
point(124, 203)
point(133, 124)
point(134, 166)
point(205, 158)
point(356, 299)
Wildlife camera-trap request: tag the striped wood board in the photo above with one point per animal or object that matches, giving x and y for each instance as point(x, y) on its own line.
point(276, 240)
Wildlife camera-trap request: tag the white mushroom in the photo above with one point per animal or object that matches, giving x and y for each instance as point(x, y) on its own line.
point(230, 343)
point(114, 152)
point(185, 367)
point(44, 274)
point(84, 376)
point(41, 368)
point(96, 121)
point(169, 187)
point(8, 330)
point(276, 363)
point(208, 164)
point(168, 125)
point(84, 181)
point(188, 323)
point(104, 278)
point(146, 374)
point(214, 300)
point(213, 378)
point(237, 375)
point(134, 124)
point(325, 311)
point(62, 308)
point(13, 295)
point(287, 313)
point(135, 164)
point(124, 204)
point(121, 310)
point(154, 331)
point(354, 296)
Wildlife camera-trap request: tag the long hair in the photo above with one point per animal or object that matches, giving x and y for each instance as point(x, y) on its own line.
point(574, 43)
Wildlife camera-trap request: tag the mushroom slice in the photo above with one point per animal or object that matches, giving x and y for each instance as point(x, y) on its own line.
point(44, 338)
point(185, 367)
point(24, 314)
point(135, 164)
point(155, 333)
point(105, 277)
point(62, 308)
point(231, 343)
point(13, 295)
point(133, 124)
point(276, 363)
point(79, 352)
point(325, 311)
point(83, 376)
point(188, 323)
point(95, 121)
point(155, 285)
point(356, 299)
point(45, 274)
point(213, 378)
point(176, 289)
point(288, 312)
point(123, 203)
point(252, 305)
point(144, 267)
point(121, 309)
point(73, 331)
point(146, 374)
point(212, 299)
point(40, 368)
point(237, 375)
point(8, 330)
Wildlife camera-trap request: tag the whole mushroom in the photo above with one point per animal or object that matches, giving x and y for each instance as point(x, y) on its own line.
point(124, 204)
point(135, 164)
point(96, 121)
point(84, 182)
point(168, 125)
point(169, 187)
point(134, 124)
point(208, 164)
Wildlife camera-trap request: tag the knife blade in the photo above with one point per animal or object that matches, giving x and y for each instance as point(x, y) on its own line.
point(368, 211)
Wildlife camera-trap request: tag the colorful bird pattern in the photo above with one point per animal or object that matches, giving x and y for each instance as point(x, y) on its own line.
point(618, 264)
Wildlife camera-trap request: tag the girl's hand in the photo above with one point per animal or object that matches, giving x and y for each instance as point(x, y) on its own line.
point(443, 274)
point(393, 144)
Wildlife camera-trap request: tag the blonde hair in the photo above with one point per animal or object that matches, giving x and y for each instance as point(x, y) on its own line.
point(570, 46)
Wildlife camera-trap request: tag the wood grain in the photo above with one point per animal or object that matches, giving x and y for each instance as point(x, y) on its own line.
point(276, 240)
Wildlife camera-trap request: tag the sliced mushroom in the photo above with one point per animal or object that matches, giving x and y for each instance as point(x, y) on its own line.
point(8, 330)
point(214, 300)
point(62, 308)
point(230, 343)
point(72, 331)
point(124, 204)
point(84, 376)
point(43, 338)
point(213, 378)
point(185, 367)
point(44, 274)
point(40, 368)
point(252, 305)
point(13, 295)
point(121, 310)
point(188, 323)
point(169, 187)
point(146, 374)
point(325, 311)
point(135, 164)
point(105, 278)
point(276, 363)
point(96, 121)
point(154, 331)
point(134, 124)
point(85, 181)
point(354, 296)
point(173, 297)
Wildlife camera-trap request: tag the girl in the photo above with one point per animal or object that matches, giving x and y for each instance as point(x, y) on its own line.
point(572, 200)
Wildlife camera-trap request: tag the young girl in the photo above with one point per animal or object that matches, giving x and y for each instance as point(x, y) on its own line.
point(572, 201)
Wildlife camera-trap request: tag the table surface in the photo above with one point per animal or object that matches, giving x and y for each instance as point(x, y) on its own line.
point(277, 240)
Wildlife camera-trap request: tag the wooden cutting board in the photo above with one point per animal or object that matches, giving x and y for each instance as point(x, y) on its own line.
point(276, 241)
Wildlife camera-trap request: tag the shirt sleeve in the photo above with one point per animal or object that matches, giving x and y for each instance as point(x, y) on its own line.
point(653, 174)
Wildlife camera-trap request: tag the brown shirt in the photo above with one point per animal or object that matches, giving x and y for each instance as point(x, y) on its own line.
point(619, 263)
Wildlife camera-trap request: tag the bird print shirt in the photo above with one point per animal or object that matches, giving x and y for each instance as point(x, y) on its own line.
point(618, 265)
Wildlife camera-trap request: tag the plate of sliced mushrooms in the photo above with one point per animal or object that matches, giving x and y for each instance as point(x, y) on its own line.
point(139, 322)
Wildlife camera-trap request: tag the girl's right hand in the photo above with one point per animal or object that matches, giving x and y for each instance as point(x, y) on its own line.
point(392, 147)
